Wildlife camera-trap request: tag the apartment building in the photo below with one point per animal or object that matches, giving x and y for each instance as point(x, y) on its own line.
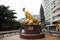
point(47, 10)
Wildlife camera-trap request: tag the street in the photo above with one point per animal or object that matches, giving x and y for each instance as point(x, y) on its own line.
point(17, 37)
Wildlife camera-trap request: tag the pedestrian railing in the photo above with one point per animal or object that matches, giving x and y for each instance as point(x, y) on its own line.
point(9, 33)
point(53, 33)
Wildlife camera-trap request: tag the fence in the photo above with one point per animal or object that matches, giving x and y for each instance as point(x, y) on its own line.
point(9, 33)
point(53, 33)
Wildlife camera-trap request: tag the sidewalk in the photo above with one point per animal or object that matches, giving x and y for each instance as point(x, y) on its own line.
point(17, 37)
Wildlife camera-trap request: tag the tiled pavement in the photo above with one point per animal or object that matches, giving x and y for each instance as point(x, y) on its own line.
point(17, 37)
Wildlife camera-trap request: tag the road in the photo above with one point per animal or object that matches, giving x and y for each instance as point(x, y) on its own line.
point(17, 37)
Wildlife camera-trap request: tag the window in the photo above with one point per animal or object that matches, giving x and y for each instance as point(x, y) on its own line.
point(54, 11)
point(59, 0)
point(57, 8)
point(54, 6)
point(45, 0)
point(54, 17)
point(58, 15)
point(51, 8)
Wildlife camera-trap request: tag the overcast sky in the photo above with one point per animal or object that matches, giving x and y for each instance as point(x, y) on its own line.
point(33, 6)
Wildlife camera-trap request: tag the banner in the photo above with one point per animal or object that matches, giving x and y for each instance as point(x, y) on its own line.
point(58, 26)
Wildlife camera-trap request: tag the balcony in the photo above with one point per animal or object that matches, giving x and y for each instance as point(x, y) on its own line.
point(55, 8)
point(57, 13)
point(56, 19)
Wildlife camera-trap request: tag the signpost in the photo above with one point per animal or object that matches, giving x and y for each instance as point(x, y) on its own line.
point(58, 28)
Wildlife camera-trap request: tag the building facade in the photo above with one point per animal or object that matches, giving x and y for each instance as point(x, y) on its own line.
point(42, 17)
point(52, 11)
point(55, 8)
point(47, 10)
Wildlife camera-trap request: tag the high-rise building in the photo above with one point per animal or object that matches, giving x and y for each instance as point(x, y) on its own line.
point(55, 7)
point(52, 11)
point(42, 17)
point(47, 10)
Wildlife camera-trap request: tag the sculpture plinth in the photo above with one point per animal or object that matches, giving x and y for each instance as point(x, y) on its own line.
point(32, 29)
point(32, 32)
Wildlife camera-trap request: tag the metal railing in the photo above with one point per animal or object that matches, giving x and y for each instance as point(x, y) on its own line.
point(52, 33)
point(9, 33)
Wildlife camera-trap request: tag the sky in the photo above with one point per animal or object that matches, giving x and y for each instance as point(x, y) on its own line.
point(33, 6)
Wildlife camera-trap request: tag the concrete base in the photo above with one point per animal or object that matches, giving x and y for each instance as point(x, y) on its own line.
point(32, 36)
point(32, 32)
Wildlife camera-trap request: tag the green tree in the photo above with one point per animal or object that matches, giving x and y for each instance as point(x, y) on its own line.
point(6, 17)
point(17, 24)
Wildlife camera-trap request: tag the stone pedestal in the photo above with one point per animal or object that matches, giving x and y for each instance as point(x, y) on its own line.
point(32, 32)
